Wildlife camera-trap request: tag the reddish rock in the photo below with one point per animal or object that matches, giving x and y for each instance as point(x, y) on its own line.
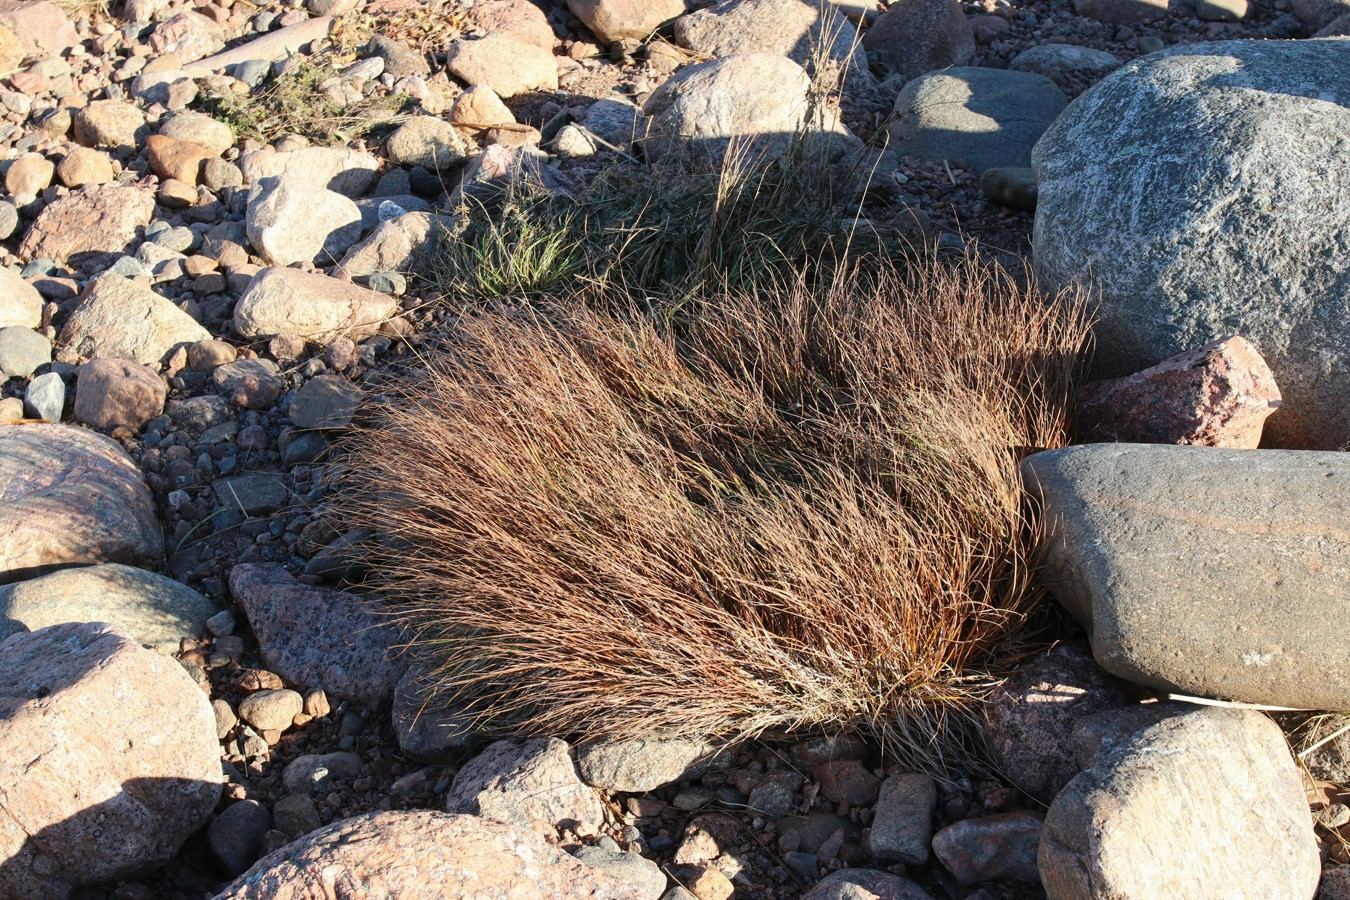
point(91, 221)
point(108, 759)
point(846, 781)
point(1216, 396)
point(1000, 847)
point(69, 496)
point(41, 26)
point(118, 392)
point(520, 18)
point(172, 158)
point(423, 855)
point(190, 36)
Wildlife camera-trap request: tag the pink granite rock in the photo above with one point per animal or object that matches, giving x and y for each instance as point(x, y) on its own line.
point(1001, 846)
point(40, 26)
point(113, 392)
point(90, 221)
point(534, 785)
point(1216, 396)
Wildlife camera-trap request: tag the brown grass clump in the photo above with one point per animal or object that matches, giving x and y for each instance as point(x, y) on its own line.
point(798, 509)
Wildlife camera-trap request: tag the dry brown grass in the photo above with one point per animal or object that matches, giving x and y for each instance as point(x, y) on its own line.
point(802, 511)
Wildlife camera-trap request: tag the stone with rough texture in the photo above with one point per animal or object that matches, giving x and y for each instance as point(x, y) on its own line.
point(532, 785)
point(914, 37)
point(1205, 805)
point(523, 19)
point(152, 610)
point(250, 383)
point(1046, 58)
point(1217, 396)
point(480, 108)
point(640, 764)
point(172, 158)
point(189, 36)
point(45, 398)
point(108, 123)
point(30, 174)
point(347, 172)
point(310, 305)
point(91, 222)
point(274, 45)
point(271, 710)
point(317, 638)
point(84, 165)
point(290, 220)
point(122, 319)
point(20, 303)
point(615, 20)
point(430, 728)
point(1122, 12)
point(199, 128)
point(69, 497)
point(22, 351)
point(1030, 717)
point(396, 245)
point(40, 26)
point(999, 847)
point(112, 393)
point(987, 118)
point(1318, 13)
point(503, 63)
point(237, 834)
point(643, 875)
point(1203, 571)
point(1187, 192)
point(1337, 27)
point(902, 821)
point(422, 855)
point(429, 142)
point(865, 884)
point(1103, 731)
point(791, 28)
point(326, 401)
point(108, 759)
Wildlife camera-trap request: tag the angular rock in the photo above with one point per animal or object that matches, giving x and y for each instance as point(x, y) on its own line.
point(254, 494)
point(1187, 192)
point(236, 835)
point(846, 781)
point(914, 37)
point(189, 36)
point(902, 822)
point(45, 398)
point(199, 128)
point(108, 759)
point(1217, 396)
point(313, 306)
point(150, 609)
point(641, 764)
point(292, 220)
point(1030, 717)
point(642, 874)
point(792, 28)
point(172, 158)
point(429, 727)
point(122, 319)
point(20, 303)
point(22, 351)
point(1237, 823)
point(1046, 58)
point(347, 172)
point(987, 118)
point(532, 785)
point(429, 142)
point(423, 855)
point(91, 223)
point(396, 245)
point(865, 884)
point(503, 63)
point(616, 20)
point(112, 393)
point(326, 401)
point(480, 108)
point(110, 124)
point(318, 638)
point(1000, 847)
point(69, 497)
point(1142, 545)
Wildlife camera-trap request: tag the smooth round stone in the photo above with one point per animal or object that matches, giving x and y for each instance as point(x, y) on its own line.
point(253, 72)
point(1014, 187)
point(271, 710)
point(22, 351)
point(1150, 44)
point(236, 835)
point(9, 219)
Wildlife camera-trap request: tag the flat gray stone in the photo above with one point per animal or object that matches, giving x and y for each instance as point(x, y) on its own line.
point(428, 727)
point(326, 401)
point(22, 350)
point(253, 494)
point(1204, 571)
point(644, 875)
point(533, 784)
point(902, 821)
point(641, 764)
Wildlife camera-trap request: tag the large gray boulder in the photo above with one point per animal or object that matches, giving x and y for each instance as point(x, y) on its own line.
point(1189, 192)
point(1203, 805)
point(1204, 571)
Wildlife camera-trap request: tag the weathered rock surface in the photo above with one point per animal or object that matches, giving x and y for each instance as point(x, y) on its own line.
point(1204, 571)
point(318, 638)
point(1194, 772)
point(422, 855)
point(20, 303)
point(113, 393)
point(348, 172)
point(430, 727)
point(293, 220)
point(108, 759)
point(643, 875)
point(640, 764)
point(793, 28)
point(914, 37)
point(532, 785)
point(71, 497)
point(503, 63)
point(395, 245)
point(902, 823)
point(429, 142)
point(310, 305)
point(865, 884)
point(1187, 192)
point(123, 319)
point(150, 609)
point(998, 847)
point(91, 222)
point(615, 20)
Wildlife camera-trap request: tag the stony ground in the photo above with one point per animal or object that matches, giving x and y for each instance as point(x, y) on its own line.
point(240, 454)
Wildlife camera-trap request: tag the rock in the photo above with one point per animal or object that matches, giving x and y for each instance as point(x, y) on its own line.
point(532, 785)
point(71, 497)
point(20, 303)
point(84, 166)
point(296, 815)
point(705, 882)
point(314, 306)
point(108, 759)
point(29, 174)
point(1338, 27)
point(641, 764)
point(423, 855)
point(1121, 12)
point(45, 398)
point(1335, 884)
point(318, 638)
point(1140, 539)
point(199, 128)
point(293, 221)
point(865, 884)
point(270, 711)
point(816, 829)
point(326, 401)
point(189, 36)
point(122, 319)
point(1013, 187)
point(1214, 767)
point(236, 835)
point(1104, 731)
point(206, 356)
point(987, 118)
point(255, 494)
point(1222, 10)
point(1216, 396)
point(614, 119)
point(396, 245)
point(225, 718)
point(429, 727)
point(490, 173)
point(318, 773)
point(273, 46)
point(480, 108)
point(399, 58)
point(846, 781)
point(152, 610)
point(249, 383)
point(108, 123)
point(180, 160)
point(998, 847)
point(427, 141)
point(347, 172)
point(503, 63)
point(1140, 204)
point(112, 393)
point(40, 26)
point(92, 222)
point(616, 20)
point(798, 30)
point(1318, 13)
point(22, 351)
point(775, 795)
point(1030, 717)
point(1046, 58)
point(902, 822)
point(646, 879)
point(914, 37)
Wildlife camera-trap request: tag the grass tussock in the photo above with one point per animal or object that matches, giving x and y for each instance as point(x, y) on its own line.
point(788, 505)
